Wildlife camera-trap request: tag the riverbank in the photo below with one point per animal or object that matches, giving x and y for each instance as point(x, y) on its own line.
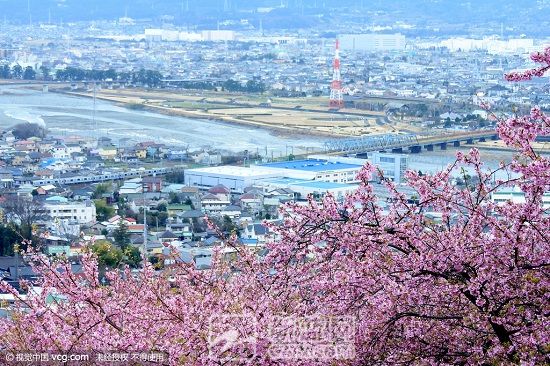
point(289, 117)
point(282, 131)
point(161, 103)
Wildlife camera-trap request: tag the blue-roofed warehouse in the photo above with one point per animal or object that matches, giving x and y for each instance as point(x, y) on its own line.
point(334, 171)
point(312, 165)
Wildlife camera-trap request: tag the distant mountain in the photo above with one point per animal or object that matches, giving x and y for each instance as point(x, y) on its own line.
point(472, 12)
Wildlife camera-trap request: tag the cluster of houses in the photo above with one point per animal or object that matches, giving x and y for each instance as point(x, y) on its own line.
point(191, 211)
point(70, 211)
point(79, 195)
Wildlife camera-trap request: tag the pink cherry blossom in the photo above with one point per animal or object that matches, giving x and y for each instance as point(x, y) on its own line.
point(453, 278)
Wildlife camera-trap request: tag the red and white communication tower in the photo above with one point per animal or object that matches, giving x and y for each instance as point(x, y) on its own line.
point(336, 99)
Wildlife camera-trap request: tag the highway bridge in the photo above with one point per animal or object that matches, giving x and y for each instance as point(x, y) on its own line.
point(401, 143)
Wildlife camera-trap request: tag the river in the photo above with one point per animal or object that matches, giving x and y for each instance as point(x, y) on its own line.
point(69, 115)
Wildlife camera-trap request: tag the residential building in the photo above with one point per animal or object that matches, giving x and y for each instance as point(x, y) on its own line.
point(81, 212)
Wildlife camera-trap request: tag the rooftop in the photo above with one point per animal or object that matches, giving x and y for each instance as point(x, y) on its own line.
point(231, 170)
point(314, 165)
point(290, 182)
point(220, 188)
point(323, 185)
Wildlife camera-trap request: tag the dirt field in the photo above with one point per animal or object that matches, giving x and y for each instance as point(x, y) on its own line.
point(310, 115)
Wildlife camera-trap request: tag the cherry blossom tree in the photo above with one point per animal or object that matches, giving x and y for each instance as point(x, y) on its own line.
point(451, 279)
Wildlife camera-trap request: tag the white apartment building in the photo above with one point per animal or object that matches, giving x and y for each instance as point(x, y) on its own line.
point(82, 212)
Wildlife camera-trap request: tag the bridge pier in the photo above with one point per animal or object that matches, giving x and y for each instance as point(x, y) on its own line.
point(443, 146)
point(470, 141)
point(456, 143)
point(415, 149)
point(429, 147)
point(482, 139)
point(494, 137)
point(398, 150)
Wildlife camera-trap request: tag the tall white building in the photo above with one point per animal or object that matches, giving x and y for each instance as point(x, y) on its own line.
point(372, 42)
point(218, 35)
point(158, 35)
point(393, 166)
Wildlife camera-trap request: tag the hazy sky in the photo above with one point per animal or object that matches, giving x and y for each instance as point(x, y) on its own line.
point(186, 11)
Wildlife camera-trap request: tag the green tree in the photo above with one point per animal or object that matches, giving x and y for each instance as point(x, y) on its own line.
point(173, 197)
point(9, 236)
point(45, 70)
point(17, 71)
point(121, 235)
point(101, 189)
point(153, 78)
point(156, 261)
point(25, 130)
point(103, 210)
point(108, 255)
point(228, 225)
point(232, 85)
point(253, 86)
point(162, 217)
point(26, 213)
point(29, 73)
point(61, 75)
point(111, 74)
point(5, 72)
point(189, 202)
point(175, 177)
point(132, 256)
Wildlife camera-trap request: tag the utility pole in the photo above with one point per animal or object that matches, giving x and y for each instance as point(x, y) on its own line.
point(16, 253)
point(144, 249)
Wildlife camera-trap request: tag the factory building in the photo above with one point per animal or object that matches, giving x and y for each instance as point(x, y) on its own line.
point(324, 169)
point(372, 42)
point(317, 174)
point(236, 178)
